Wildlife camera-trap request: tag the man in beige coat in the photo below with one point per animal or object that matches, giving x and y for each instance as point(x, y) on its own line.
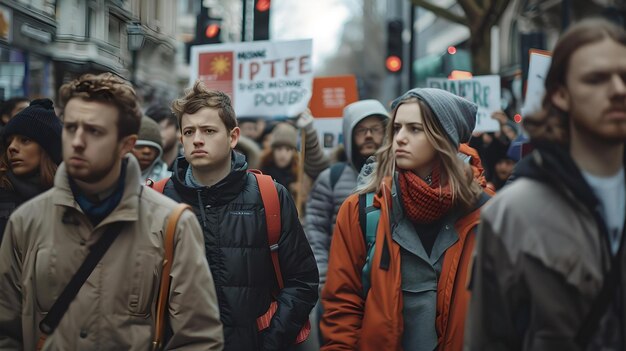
point(48, 238)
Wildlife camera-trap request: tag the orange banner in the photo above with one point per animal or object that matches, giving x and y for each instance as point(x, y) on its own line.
point(331, 95)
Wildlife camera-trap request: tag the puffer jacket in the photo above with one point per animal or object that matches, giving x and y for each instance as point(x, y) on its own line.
point(541, 259)
point(233, 220)
point(375, 322)
point(325, 199)
point(48, 238)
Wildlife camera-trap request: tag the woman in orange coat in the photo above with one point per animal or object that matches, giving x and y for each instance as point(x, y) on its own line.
point(429, 190)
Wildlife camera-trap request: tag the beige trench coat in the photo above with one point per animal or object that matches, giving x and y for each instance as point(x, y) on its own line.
point(48, 238)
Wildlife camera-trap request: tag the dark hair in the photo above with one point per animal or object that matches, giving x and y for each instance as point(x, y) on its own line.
point(7, 106)
point(109, 89)
point(160, 113)
point(200, 97)
point(47, 170)
point(551, 123)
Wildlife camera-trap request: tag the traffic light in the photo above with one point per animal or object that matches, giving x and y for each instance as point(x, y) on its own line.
point(393, 61)
point(208, 30)
point(261, 20)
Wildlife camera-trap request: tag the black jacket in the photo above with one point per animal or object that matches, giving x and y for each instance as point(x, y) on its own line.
point(233, 219)
point(23, 190)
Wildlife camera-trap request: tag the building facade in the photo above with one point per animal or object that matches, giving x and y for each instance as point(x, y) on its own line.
point(45, 43)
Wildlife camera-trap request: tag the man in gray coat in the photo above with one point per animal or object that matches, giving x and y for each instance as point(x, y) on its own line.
point(363, 129)
point(96, 187)
point(550, 272)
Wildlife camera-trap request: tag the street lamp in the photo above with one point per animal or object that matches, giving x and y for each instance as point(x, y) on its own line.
point(135, 42)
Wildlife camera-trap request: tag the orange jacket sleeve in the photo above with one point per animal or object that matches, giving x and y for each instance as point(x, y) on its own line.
point(342, 296)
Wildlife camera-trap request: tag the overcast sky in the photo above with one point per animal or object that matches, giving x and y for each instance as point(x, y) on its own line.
point(321, 20)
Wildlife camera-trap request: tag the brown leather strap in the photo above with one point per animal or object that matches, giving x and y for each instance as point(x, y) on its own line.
point(164, 289)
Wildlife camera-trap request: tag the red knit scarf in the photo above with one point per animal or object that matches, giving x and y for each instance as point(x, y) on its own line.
point(424, 203)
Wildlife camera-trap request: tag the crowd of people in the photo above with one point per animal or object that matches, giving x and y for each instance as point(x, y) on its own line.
point(416, 234)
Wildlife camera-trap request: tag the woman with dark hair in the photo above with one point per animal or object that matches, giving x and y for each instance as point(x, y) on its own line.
point(32, 151)
point(399, 281)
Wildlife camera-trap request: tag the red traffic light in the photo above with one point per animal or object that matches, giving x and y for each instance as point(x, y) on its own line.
point(393, 63)
point(263, 5)
point(212, 30)
point(451, 50)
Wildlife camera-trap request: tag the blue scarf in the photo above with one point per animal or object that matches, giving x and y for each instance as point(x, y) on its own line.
point(97, 211)
point(190, 180)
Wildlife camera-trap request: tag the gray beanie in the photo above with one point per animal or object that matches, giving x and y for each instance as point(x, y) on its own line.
point(456, 114)
point(150, 134)
point(284, 135)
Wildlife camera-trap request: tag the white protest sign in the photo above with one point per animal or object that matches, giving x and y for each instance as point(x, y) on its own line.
point(538, 66)
point(263, 78)
point(484, 91)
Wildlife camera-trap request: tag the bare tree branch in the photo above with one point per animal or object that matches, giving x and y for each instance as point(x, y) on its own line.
point(441, 12)
point(471, 8)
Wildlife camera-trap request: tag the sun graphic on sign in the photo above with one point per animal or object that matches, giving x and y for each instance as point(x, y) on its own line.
point(220, 65)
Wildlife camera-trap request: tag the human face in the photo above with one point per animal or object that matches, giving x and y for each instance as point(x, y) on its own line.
point(91, 150)
point(504, 168)
point(283, 156)
point(248, 129)
point(368, 135)
point(206, 141)
point(169, 135)
point(594, 94)
point(18, 107)
point(145, 155)
point(24, 155)
point(412, 149)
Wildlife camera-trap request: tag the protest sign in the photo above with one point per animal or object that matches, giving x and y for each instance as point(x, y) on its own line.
point(330, 96)
point(484, 91)
point(263, 78)
point(538, 66)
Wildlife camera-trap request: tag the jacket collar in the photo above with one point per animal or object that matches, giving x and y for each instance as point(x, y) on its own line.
point(223, 192)
point(552, 164)
point(128, 208)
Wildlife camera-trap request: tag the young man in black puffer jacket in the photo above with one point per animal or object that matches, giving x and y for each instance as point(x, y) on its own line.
point(213, 179)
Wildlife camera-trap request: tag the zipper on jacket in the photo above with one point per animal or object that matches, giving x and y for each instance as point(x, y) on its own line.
point(201, 206)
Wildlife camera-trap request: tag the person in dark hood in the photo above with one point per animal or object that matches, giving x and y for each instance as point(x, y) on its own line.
point(550, 271)
point(32, 144)
point(213, 179)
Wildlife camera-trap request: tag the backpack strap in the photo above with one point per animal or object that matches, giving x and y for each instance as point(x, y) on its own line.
point(368, 219)
point(271, 203)
point(335, 173)
point(164, 287)
point(158, 186)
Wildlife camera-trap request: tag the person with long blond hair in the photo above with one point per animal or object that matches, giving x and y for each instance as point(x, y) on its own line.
point(429, 189)
point(31, 144)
